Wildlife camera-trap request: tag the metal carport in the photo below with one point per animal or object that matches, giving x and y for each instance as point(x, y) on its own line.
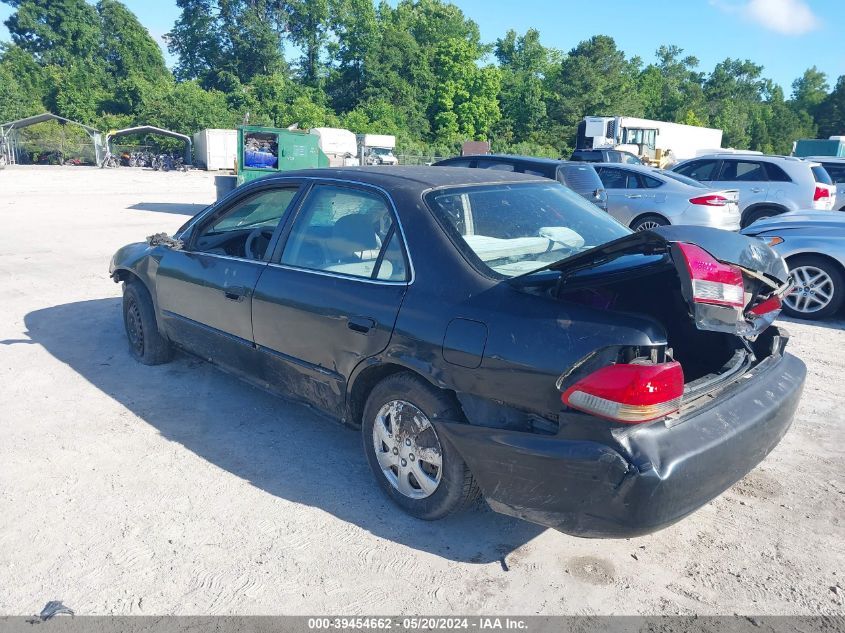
point(9, 140)
point(149, 129)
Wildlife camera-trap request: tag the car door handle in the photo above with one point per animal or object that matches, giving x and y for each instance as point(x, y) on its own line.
point(360, 324)
point(634, 195)
point(756, 190)
point(236, 293)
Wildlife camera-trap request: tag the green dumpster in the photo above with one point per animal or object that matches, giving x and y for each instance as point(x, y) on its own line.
point(263, 151)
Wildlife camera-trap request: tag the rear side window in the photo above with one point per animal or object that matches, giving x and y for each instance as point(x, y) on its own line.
point(346, 231)
point(650, 183)
point(455, 163)
point(836, 172)
point(580, 178)
point(821, 175)
point(776, 174)
point(743, 171)
point(591, 157)
point(613, 178)
point(699, 169)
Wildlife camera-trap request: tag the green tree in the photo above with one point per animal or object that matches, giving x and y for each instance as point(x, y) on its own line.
point(356, 28)
point(57, 32)
point(594, 79)
point(809, 90)
point(308, 24)
point(195, 40)
point(831, 112)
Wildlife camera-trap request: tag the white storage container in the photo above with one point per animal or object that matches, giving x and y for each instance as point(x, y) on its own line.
point(216, 149)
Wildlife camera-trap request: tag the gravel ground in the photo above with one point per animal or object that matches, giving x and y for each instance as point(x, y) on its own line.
point(127, 489)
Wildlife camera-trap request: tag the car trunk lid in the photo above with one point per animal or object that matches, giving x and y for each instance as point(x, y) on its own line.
point(700, 256)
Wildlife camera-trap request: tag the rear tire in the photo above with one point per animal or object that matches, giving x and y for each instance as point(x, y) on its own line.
point(758, 214)
point(648, 222)
point(146, 344)
point(815, 278)
point(402, 445)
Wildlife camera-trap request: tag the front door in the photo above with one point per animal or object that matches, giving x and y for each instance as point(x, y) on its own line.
point(204, 292)
point(331, 295)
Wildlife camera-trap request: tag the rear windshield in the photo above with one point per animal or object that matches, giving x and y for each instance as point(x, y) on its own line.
point(514, 229)
point(683, 179)
point(590, 157)
point(581, 178)
point(821, 175)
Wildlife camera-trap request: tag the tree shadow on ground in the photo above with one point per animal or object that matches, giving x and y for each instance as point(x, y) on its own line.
point(283, 448)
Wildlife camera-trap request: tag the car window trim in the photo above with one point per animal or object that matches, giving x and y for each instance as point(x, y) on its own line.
point(313, 181)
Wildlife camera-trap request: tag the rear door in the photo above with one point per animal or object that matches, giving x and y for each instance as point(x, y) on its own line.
point(627, 194)
point(746, 175)
point(330, 296)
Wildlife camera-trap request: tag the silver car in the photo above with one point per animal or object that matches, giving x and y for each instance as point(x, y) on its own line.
point(813, 245)
point(835, 167)
point(644, 198)
point(768, 185)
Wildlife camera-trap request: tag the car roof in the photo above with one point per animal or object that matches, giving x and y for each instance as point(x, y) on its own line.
point(645, 169)
point(748, 155)
point(826, 159)
point(408, 177)
point(514, 157)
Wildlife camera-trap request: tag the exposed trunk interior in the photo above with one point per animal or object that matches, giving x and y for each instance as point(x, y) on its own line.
point(657, 294)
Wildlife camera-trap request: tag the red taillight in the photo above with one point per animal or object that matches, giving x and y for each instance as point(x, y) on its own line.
point(821, 192)
point(769, 305)
point(712, 281)
point(710, 201)
point(629, 393)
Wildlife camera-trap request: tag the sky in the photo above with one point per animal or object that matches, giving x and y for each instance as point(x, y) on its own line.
point(784, 36)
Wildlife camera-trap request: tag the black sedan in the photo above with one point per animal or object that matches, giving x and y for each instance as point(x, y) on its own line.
point(489, 333)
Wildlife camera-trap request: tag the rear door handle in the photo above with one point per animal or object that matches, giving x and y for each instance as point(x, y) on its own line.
point(634, 195)
point(360, 324)
point(236, 293)
point(756, 190)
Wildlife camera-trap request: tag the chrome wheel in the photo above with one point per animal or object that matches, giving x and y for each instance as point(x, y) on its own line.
point(813, 290)
point(407, 449)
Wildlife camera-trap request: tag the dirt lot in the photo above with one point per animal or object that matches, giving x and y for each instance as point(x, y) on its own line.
point(127, 489)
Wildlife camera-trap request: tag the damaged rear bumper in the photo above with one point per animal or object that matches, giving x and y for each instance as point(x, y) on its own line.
point(653, 476)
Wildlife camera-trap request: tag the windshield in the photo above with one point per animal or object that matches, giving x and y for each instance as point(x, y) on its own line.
point(515, 229)
point(381, 151)
point(684, 179)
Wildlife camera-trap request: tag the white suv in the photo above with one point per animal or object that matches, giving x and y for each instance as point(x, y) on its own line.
point(768, 185)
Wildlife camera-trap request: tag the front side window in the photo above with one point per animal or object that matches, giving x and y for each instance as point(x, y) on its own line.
point(245, 229)
point(513, 229)
point(613, 178)
point(346, 231)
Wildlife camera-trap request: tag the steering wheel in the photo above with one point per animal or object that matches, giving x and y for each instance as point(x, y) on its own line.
point(257, 242)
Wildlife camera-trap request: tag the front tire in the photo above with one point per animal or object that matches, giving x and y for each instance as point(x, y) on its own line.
point(819, 288)
point(146, 343)
point(421, 472)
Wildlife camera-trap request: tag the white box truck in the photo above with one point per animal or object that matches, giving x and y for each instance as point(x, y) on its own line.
point(216, 149)
point(338, 144)
point(644, 137)
point(377, 149)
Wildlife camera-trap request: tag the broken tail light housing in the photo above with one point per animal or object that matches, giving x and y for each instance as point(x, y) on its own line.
point(821, 192)
point(712, 281)
point(710, 200)
point(629, 393)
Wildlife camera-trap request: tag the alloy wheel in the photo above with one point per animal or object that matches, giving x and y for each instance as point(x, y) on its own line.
point(647, 225)
point(408, 449)
point(813, 290)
